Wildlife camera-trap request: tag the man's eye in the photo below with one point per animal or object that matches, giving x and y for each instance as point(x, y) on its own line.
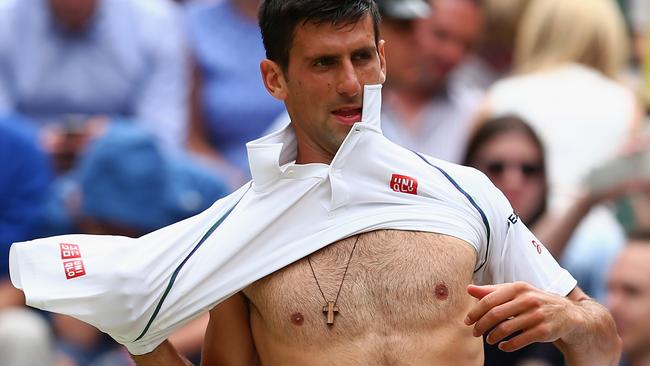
point(362, 56)
point(323, 62)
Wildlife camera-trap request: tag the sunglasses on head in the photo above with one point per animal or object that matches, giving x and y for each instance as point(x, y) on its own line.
point(528, 170)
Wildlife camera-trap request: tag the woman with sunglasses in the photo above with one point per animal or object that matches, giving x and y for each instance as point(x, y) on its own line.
point(511, 154)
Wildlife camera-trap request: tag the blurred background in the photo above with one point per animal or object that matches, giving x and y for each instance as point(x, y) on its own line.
point(120, 117)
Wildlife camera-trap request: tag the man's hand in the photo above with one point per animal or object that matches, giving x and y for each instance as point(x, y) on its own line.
point(582, 329)
point(513, 307)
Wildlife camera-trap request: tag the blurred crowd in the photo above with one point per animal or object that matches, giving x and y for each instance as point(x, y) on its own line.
point(119, 117)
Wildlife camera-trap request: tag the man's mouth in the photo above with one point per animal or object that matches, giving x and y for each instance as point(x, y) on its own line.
point(348, 115)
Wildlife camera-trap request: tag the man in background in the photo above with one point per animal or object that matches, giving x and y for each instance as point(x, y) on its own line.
point(429, 113)
point(628, 297)
point(69, 61)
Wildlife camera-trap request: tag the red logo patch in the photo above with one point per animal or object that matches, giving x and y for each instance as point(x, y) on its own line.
point(74, 269)
point(404, 184)
point(537, 246)
point(69, 251)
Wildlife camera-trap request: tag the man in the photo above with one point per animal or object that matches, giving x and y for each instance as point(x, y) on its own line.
point(227, 47)
point(494, 55)
point(398, 29)
point(69, 61)
point(319, 74)
point(331, 180)
point(628, 299)
point(432, 114)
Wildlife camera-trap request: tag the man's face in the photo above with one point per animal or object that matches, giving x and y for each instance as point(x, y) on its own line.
point(73, 15)
point(628, 297)
point(405, 67)
point(449, 35)
point(323, 85)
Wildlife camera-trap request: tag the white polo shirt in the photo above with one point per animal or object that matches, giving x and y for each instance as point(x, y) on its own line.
point(140, 290)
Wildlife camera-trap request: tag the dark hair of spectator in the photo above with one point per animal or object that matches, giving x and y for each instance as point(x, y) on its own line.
point(492, 128)
point(279, 18)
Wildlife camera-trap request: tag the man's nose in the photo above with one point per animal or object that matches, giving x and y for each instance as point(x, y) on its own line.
point(348, 83)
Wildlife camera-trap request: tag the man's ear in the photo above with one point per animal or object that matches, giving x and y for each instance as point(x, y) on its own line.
point(381, 50)
point(274, 79)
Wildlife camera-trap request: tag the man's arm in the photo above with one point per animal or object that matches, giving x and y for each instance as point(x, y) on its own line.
point(163, 355)
point(10, 296)
point(596, 339)
point(581, 328)
point(228, 338)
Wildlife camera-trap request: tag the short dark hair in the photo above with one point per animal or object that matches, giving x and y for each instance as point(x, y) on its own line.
point(278, 20)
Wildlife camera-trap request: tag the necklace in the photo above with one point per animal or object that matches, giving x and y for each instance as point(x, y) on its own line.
point(330, 308)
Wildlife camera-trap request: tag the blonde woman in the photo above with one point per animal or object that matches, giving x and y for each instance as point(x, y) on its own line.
point(568, 58)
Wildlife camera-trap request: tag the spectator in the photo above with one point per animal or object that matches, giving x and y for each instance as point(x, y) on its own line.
point(398, 28)
point(125, 185)
point(512, 156)
point(509, 152)
point(568, 57)
point(628, 297)
point(434, 115)
point(227, 48)
point(25, 338)
point(638, 16)
point(494, 56)
point(646, 70)
point(78, 59)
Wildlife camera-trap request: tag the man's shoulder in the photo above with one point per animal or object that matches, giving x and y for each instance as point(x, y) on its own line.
point(459, 173)
point(474, 185)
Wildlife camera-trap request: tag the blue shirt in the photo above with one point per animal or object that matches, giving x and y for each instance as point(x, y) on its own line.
point(228, 49)
point(131, 61)
point(24, 181)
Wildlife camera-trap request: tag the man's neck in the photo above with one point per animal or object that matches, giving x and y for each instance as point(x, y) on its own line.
point(310, 156)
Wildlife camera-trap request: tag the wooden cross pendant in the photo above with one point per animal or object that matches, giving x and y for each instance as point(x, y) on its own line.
point(331, 310)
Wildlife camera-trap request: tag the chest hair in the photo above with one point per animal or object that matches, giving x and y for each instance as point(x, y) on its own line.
point(397, 281)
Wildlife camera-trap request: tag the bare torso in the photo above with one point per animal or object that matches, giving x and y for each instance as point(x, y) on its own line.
point(403, 302)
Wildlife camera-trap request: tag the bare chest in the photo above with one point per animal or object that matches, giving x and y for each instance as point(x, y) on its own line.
point(396, 281)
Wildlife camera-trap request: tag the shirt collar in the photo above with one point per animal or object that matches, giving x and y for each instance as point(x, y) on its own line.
point(269, 156)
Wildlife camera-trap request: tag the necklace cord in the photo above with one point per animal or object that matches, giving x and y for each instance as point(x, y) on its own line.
point(342, 279)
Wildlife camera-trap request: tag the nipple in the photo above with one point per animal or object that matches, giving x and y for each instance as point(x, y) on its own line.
point(297, 319)
point(442, 293)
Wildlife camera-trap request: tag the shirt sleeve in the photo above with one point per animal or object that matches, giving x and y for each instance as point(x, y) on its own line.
point(514, 253)
point(118, 284)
